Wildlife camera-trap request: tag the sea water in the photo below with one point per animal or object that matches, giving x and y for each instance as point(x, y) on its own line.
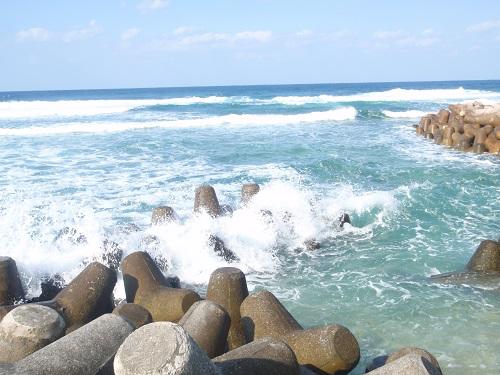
point(98, 161)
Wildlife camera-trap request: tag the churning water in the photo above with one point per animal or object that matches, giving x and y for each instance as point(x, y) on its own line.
point(100, 161)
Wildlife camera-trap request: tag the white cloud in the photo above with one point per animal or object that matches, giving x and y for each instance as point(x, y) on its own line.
point(130, 34)
point(182, 30)
point(304, 33)
point(389, 34)
point(260, 36)
point(34, 34)
point(88, 32)
point(389, 38)
point(153, 4)
point(484, 26)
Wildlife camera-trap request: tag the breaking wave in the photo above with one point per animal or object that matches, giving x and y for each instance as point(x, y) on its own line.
point(340, 114)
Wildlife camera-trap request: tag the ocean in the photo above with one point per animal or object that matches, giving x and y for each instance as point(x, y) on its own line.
point(99, 161)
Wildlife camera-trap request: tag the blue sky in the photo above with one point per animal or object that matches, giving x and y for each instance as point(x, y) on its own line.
point(60, 44)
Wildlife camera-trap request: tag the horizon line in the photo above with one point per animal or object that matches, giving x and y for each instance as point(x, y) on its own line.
point(247, 85)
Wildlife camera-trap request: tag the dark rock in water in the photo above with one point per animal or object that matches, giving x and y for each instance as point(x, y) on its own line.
point(267, 215)
point(130, 228)
point(486, 257)
point(312, 244)
point(111, 255)
point(51, 286)
point(71, 235)
point(344, 218)
point(226, 210)
point(376, 363)
point(221, 250)
point(163, 214)
point(173, 282)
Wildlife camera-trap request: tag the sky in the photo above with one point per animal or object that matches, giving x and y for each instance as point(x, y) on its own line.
point(61, 44)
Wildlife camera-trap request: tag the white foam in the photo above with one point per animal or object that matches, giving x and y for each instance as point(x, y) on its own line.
point(28, 227)
point(65, 108)
point(394, 95)
point(340, 114)
point(413, 114)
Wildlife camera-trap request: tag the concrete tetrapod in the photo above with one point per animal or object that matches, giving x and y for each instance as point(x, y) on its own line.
point(162, 348)
point(86, 297)
point(162, 214)
point(262, 356)
point(82, 352)
point(134, 314)
point(330, 349)
point(410, 364)
point(208, 324)
point(206, 200)
point(385, 359)
point(248, 191)
point(228, 288)
point(27, 329)
point(11, 289)
point(416, 351)
point(486, 257)
point(483, 268)
point(145, 285)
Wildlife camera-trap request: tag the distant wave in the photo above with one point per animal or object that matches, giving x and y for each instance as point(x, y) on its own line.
point(66, 108)
point(394, 95)
point(340, 114)
point(404, 114)
point(75, 108)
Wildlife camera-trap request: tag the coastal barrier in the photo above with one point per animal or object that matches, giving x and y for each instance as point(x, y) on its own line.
point(166, 329)
point(247, 334)
point(467, 127)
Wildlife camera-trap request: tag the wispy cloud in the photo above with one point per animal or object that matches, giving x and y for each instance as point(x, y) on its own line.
point(146, 5)
point(90, 31)
point(484, 26)
point(259, 36)
point(130, 34)
point(34, 34)
point(389, 34)
point(183, 30)
point(387, 38)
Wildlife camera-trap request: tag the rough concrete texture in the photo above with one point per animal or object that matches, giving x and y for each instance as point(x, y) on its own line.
point(161, 348)
point(208, 324)
point(88, 295)
point(82, 352)
point(248, 191)
point(147, 286)
point(11, 289)
point(410, 364)
point(163, 214)
point(27, 329)
point(331, 348)
point(206, 200)
point(228, 288)
point(417, 351)
point(486, 257)
point(133, 313)
point(263, 356)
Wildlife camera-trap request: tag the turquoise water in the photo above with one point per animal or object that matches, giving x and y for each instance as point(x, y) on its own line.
point(98, 161)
